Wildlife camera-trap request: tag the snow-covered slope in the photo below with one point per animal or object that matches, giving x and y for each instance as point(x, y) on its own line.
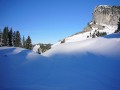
point(105, 46)
point(109, 29)
point(105, 19)
point(86, 35)
point(93, 64)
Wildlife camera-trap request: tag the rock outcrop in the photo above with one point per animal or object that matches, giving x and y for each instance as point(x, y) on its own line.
point(103, 16)
point(108, 15)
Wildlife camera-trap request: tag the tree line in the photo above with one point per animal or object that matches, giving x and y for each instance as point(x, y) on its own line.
point(13, 38)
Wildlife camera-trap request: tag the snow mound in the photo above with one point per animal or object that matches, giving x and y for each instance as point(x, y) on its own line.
point(105, 46)
point(18, 53)
point(35, 48)
point(92, 64)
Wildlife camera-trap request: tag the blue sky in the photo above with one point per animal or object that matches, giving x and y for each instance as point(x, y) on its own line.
point(48, 21)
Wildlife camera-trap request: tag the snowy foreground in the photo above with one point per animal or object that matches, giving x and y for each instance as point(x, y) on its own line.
point(92, 64)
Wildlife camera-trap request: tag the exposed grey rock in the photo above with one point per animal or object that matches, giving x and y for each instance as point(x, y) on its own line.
point(108, 15)
point(103, 15)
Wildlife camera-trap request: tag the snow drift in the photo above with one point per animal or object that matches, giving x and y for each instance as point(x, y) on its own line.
point(92, 64)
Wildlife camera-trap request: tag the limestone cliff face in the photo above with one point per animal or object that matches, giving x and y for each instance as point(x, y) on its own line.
point(108, 15)
point(103, 15)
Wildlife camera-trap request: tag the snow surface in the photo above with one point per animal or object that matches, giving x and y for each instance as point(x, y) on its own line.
point(109, 29)
point(92, 64)
point(35, 48)
point(106, 6)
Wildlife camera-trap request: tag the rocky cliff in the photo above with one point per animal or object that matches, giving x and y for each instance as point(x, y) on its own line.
point(104, 16)
point(108, 15)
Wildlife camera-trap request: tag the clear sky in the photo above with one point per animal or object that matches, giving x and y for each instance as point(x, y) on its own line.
point(48, 21)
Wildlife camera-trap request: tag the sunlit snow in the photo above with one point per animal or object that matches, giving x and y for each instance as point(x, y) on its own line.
point(92, 64)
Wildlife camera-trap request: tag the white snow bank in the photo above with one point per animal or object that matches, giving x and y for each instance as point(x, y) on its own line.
point(107, 46)
point(35, 48)
point(88, 65)
point(109, 29)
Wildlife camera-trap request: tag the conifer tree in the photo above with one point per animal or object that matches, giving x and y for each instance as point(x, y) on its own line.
point(93, 36)
point(28, 43)
point(17, 39)
point(10, 36)
point(63, 41)
point(13, 38)
point(0, 37)
point(5, 36)
point(23, 42)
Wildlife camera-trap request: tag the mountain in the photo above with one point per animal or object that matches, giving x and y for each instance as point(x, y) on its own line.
point(92, 64)
point(104, 21)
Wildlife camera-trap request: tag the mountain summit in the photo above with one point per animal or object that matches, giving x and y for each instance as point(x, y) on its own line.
point(104, 21)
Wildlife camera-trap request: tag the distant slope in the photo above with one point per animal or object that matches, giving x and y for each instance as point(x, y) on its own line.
point(105, 20)
point(92, 64)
